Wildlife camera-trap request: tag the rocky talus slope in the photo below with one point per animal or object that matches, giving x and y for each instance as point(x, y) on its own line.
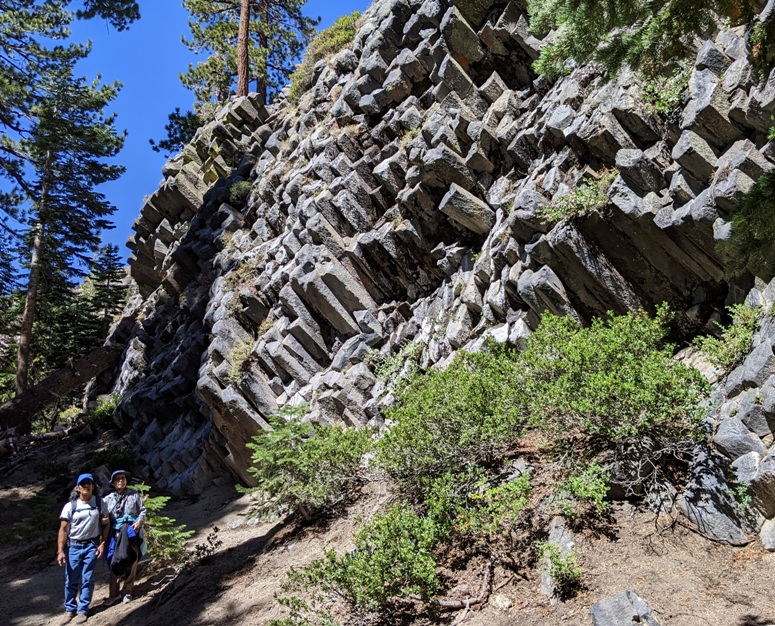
point(400, 203)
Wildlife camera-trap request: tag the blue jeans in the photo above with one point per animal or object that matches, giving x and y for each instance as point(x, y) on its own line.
point(79, 570)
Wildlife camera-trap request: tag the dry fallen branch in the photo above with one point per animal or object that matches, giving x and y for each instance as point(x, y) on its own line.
point(484, 594)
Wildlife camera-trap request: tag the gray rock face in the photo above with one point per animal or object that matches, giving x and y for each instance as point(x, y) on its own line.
point(404, 199)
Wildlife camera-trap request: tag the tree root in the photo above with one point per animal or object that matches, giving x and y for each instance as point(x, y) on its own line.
point(484, 595)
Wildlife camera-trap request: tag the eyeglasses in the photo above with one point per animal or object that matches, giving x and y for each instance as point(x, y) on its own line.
point(119, 479)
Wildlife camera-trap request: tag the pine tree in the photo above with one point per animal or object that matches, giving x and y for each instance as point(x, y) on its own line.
point(29, 30)
point(108, 288)
point(65, 151)
point(274, 34)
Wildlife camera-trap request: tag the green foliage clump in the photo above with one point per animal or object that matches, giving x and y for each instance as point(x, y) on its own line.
point(741, 493)
point(393, 558)
point(239, 192)
point(612, 387)
point(664, 95)
point(590, 195)
point(590, 487)
point(447, 419)
point(166, 539)
point(240, 357)
point(305, 467)
point(728, 350)
point(614, 382)
point(563, 568)
point(495, 510)
point(751, 242)
point(328, 42)
point(101, 416)
point(396, 369)
point(648, 36)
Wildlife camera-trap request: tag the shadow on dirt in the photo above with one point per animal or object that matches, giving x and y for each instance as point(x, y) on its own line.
point(201, 585)
point(753, 620)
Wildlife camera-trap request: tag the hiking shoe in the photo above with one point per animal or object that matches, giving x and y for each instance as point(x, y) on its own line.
point(111, 600)
point(127, 598)
point(69, 615)
point(81, 618)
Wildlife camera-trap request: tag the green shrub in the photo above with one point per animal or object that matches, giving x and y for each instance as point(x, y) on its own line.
point(588, 488)
point(495, 510)
point(664, 95)
point(563, 568)
point(328, 42)
point(305, 467)
point(240, 357)
point(751, 242)
point(101, 416)
point(393, 559)
point(734, 343)
point(590, 195)
point(239, 192)
point(166, 539)
point(614, 383)
point(446, 419)
point(396, 369)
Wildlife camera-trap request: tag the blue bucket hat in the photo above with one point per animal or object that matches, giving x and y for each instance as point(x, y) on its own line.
point(83, 477)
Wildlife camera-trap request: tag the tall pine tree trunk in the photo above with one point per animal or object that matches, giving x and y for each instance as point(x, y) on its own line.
point(243, 65)
point(263, 43)
point(33, 286)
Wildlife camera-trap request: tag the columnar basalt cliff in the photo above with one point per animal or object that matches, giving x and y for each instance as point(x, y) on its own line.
point(401, 199)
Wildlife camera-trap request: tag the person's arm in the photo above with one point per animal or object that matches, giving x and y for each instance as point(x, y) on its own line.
point(105, 532)
point(140, 520)
point(62, 542)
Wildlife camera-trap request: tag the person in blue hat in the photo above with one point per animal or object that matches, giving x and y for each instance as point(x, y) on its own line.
point(81, 541)
point(127, 515)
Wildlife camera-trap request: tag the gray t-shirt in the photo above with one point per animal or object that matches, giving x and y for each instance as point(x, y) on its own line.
point(85, 522)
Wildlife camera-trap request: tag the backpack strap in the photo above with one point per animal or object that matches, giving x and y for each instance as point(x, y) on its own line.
point(74, 505)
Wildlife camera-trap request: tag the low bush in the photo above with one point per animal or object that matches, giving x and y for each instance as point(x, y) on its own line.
point(613, 382)
point(240, 357)
point(664, 95)
point(328, 42)
point(729, 349)
point(166, 539)
point(563, 569)
point(393, 559)
point(446, 419)
point(584, 491)
point(305, 467)
point(101, 416)
point(590, 195)
point(239, 192)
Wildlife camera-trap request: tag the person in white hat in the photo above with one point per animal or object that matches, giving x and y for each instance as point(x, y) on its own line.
point(125, 507)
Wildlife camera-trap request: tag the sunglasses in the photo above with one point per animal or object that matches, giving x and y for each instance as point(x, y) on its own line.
point(86, 482)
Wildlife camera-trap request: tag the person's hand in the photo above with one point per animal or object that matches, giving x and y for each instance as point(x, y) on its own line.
point(100, 550)
point(61, 558)
point(137, 526)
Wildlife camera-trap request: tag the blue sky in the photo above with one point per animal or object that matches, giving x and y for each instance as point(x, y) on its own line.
point(147, 59)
